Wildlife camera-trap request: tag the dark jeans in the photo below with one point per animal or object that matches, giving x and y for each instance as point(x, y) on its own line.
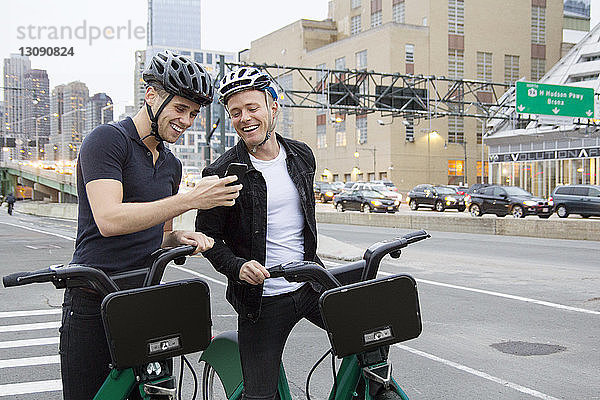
point(262, 342)
point(84, 355)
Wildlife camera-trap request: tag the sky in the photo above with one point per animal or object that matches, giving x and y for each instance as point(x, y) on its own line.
point(107, 65)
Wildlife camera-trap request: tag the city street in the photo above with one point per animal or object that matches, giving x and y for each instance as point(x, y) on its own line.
point(503, 317)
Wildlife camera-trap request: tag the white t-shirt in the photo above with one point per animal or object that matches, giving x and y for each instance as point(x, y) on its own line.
point(285, 221)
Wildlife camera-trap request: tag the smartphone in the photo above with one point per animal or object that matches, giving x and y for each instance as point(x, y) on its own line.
point(237, 169)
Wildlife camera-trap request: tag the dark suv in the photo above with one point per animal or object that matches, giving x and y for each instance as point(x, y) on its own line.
point(437, 197)
point(504, 200)
point(577, 199)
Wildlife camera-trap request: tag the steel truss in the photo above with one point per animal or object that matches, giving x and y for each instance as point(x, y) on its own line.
point(407, 96)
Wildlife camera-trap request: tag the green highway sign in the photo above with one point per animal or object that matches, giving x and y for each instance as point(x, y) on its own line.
point(556, 100)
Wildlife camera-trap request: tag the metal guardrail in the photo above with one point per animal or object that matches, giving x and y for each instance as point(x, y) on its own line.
point(65, 183)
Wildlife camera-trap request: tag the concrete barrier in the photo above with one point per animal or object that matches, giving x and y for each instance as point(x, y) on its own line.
point(575, 229)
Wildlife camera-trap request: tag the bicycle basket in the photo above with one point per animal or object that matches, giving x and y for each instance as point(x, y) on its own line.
point(366, 315)
point(157, 322)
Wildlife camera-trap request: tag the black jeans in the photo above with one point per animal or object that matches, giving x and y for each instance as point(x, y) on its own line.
point(262, 342)
point(84, 355)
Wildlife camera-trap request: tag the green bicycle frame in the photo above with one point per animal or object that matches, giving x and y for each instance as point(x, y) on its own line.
point(120, 383)
point(224, 357)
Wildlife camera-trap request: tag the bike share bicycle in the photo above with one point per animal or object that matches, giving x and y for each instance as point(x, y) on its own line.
point(363, 316)
point(145, 327)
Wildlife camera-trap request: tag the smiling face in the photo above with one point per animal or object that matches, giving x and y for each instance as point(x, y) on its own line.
point(175, 118)
point(250, 117)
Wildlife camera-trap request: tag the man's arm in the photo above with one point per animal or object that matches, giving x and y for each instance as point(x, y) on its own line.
point(113, 217)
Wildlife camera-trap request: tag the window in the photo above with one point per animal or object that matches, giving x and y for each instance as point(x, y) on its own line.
point(456, 129)
point(321, 86)
point(485, 174)
point(456, 167)
point(361, 60)
point(566, 190)
point(361, 129)
point(340, 63)
point(355, 25)
point(588, 58)
point(580, 191)
point(191, 139)
point(410, 130)
point(209, 58)
point(538, 25)
point(456, 17)
point(479, 131)
point(484, 66)
point(398, 12)
point(375, 19)
point(355, 3)
point(511, 69)
point(340, 138)
point(456, 64)
point(199, 57)
point(538, 68)
point(594, 192)
point(321, 136)
point(409, 51)
point(582, 78)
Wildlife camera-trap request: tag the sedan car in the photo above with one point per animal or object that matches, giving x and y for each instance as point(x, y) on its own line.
point(505, 200)
point(438, 198)
point(365, 200)
point(325, 191)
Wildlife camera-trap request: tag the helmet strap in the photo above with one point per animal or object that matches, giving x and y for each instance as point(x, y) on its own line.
point(154, 118)
point(270, 128)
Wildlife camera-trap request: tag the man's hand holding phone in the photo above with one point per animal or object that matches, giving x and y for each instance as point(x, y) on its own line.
point(212, 191)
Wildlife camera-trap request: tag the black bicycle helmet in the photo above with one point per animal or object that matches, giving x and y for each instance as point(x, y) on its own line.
point(179, 76)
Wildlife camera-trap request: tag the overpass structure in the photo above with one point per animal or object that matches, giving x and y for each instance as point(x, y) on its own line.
point(46, 184)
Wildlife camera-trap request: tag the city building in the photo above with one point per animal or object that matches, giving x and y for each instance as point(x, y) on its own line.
point(98, 110)
point(15, 100)
point(139, 86)
point(173, 24)
point(576, 23)
point(544, 153)
point(67, 127)
point(483, 40)
point(37, 111)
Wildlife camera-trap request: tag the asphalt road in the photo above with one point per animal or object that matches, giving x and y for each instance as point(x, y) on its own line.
point(489, 305)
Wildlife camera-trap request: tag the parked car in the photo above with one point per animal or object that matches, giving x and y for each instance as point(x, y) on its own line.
point(390, 185)
point(475, 187)
point(365, 200)
point(576, 199)
point(504, 200)
point(438, 198)
point(462, 190)
point(325, 191)
point(379, 187)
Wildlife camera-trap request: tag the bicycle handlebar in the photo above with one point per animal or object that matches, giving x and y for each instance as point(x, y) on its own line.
point(74, 275)
point(304, 271)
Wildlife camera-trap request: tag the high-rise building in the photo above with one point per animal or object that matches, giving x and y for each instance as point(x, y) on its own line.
point(576, 23)
point(484, 40)
point(37, 112)
point(139, 86)
point(98, 110)
point(174, 23)
point(15, 100)
point(67, 128)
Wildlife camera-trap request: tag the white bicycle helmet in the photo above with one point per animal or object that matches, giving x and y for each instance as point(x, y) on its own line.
point(244, 78)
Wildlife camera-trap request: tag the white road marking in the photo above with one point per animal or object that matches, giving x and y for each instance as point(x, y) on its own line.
point(11, 314)
point(39, 231)
point(199, 275)
point(506, 296)
point(15, 389)
point(29, 361)
point(9, 344)
point(29, 327)
point(480, 374)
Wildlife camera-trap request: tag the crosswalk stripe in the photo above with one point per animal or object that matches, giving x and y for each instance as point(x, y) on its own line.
point(30, 327)
point(29, 361)
point(9, 344)
point(31, 313)
point(14, 389)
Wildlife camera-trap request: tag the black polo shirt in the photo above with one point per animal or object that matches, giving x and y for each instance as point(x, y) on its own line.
point(115, 151)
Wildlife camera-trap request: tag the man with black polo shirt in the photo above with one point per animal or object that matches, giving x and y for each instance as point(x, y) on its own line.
point(127, 182)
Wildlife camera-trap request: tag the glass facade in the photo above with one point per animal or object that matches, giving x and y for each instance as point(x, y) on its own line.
point(541, 177)
point(174, 23)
